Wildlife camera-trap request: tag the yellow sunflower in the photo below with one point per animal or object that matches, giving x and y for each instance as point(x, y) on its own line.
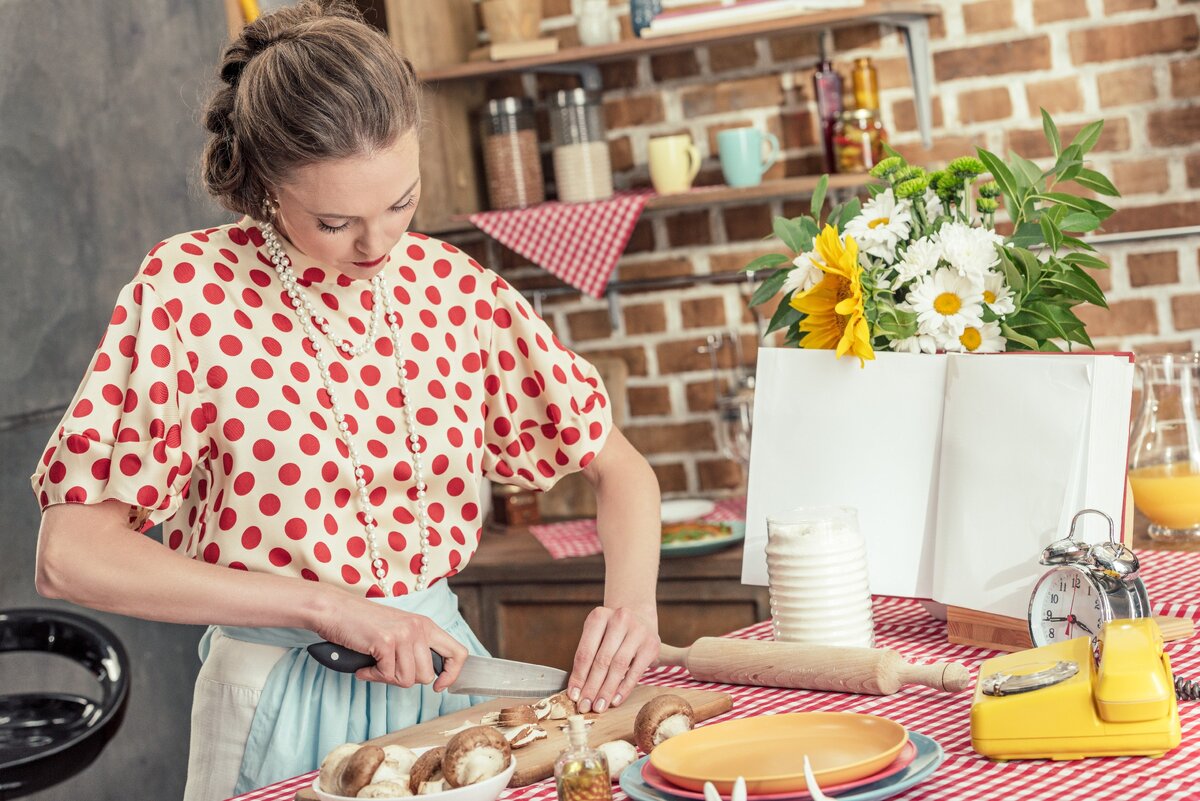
point(835, 319)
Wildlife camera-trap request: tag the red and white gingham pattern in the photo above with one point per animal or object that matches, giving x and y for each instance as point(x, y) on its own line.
point(579, 243)
point(579, 537)
point(1174, 582)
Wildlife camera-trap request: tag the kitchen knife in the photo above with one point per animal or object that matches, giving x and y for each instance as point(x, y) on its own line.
point(480, 675)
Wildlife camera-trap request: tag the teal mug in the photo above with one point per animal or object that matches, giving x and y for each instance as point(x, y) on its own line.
point(741, 151)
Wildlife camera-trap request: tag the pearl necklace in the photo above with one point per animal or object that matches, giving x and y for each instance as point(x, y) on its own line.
point(381, 298)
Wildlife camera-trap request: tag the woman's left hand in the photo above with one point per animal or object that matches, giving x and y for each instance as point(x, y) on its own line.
point(616, 648)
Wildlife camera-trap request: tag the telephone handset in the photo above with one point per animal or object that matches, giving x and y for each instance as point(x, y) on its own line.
point(1062, 701)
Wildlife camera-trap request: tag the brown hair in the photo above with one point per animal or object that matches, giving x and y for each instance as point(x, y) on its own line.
point(302, 84)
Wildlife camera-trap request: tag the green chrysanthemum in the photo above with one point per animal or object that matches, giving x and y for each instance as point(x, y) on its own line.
point(989, 190)
point(986, 205)
point(907, 174)
point(966, 167)
point(886, 167)
point(913, 187)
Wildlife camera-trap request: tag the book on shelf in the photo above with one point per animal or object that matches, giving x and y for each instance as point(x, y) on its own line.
point(706, 16)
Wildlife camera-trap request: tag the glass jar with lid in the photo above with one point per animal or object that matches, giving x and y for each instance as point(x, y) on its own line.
point(582, 170)
point(858, 140)
point(510, 154)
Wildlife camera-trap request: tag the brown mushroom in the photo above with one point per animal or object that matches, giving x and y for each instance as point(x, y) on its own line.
point(661, 718)
point(358, 769)
point(557, 707)
point(475, 755)
point(385, 789)
point(523, 735)
point(427, 768)
point(331, 766)
point(517, 716)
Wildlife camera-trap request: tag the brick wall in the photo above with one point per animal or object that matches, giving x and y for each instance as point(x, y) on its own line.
point(1133, 62)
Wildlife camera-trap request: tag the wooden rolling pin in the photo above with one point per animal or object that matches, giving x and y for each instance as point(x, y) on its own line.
point(868, 671)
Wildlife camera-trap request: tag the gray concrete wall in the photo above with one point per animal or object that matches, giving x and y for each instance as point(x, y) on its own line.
point(99, 103)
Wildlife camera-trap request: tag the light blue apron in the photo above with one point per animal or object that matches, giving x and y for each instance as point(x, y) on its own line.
point(305, 710)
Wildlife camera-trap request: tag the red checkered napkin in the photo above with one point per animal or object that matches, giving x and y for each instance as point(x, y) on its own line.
point(579, 537)
point(579, 243)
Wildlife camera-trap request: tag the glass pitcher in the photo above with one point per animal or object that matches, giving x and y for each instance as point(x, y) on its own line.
point(1164, 448)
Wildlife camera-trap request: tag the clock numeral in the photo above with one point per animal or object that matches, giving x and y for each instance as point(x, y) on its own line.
point(1062, 586)
point(1052, 633)
point(1075, 582)
point(1097, 604)
point(1053, 599)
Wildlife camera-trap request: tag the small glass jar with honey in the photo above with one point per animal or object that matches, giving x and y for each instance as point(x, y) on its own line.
point(858, 139)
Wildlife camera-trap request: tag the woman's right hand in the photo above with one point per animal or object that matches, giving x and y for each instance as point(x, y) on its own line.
point(399, 641)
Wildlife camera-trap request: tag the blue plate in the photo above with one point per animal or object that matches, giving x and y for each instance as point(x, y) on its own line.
point(737, 533)
point(929, 757)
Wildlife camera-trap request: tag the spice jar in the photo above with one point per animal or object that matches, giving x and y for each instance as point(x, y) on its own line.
point(510, 154)
point(866, 84)
point(858, 140)
point(582, 170)
point(514, 506)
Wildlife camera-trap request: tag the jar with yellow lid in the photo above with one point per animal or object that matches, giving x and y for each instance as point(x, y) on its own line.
point(858, 139)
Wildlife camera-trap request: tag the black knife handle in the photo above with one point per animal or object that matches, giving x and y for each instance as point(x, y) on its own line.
point(347, 660)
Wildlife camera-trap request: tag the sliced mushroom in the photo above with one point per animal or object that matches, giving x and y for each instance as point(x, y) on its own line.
point(619, 754)
point(331, 767)
point(660, 719)
point(427, 768)
point(516, 716)
point(358, 769)
point(474, 755)
point(557, 707)
point(386, 789)
point(521, 736)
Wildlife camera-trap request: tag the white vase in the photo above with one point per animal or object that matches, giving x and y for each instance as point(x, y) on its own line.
point(594, 23)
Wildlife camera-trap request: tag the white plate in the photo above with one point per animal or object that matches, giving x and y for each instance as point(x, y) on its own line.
point(486, 790)
point(680, 510)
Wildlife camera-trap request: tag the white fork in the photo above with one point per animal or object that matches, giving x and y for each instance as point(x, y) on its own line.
point(811, 782)
point(738, 794)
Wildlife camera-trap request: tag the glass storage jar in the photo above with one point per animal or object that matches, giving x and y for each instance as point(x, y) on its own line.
point(582, 170)
point(858, 140)
point(510, 154)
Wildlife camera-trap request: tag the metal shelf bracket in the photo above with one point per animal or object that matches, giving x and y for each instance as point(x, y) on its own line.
point(920, 67)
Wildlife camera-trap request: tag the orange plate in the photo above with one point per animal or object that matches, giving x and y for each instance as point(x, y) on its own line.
point(768, 751)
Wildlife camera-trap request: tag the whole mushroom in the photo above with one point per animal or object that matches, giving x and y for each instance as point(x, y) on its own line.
point(358, 769)
point(619, 754)
point(427, 770)
point(331, 767)
point(660, 719)
point(474, 755)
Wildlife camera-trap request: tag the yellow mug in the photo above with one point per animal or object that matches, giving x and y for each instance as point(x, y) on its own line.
point(674, 162)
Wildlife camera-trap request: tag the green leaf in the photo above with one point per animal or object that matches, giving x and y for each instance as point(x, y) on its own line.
point(1051, 232)
point(1030, 266)
point(1096, 182)
point(788, 232)
point(1002, 176)
point(1073, 169)
point(1088, 136)
point(1013, 336)
point(1027, 234)
point(1027, 173)
point(1046, 314)
point(1074, 243)
point(1078, 284)
point(1086, 260)
point(766, 262)
point(849, 212)
point(818, 198)
point(1012, 275)
point(1070, 201)
point(785, 316)
point(1051, 131)
point(1080, 221)
point(768, 288)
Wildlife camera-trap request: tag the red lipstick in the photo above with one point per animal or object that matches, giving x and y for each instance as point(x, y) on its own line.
point(370, 263)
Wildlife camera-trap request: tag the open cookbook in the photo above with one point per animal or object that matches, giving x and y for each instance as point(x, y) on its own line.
point(962, 467)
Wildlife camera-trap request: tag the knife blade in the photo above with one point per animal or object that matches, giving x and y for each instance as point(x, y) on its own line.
point(480, 675)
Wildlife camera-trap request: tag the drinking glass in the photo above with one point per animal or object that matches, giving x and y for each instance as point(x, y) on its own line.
point(1164, 448)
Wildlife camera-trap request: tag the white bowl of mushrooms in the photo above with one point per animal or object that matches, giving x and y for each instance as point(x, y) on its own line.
point(475, 765)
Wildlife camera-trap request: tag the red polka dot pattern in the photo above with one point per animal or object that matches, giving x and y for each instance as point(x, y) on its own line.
point(204, 406)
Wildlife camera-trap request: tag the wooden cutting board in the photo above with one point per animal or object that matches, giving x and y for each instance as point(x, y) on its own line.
point(536, 762)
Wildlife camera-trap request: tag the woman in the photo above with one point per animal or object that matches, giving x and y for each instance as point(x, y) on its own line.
point(306, 400)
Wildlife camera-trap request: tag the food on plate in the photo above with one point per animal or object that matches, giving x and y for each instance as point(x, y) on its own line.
point(387, 789)
point(694, 531)
point(619, 754)
point(516, 716)
point(474, 755)
point(358, 768)
point(331, 767)
point(523, 735)
point(397, 765)
point(557, 707)
point(426, 770)
point(660, 719)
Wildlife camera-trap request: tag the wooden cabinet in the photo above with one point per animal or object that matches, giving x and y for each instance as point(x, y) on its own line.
point(526, 606)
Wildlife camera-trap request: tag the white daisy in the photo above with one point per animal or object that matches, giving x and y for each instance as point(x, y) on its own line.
point(920, 259)
point(881, 225)
point(803, 276)
point(997, 295)
point(980, 339)
point(933, 205)
point(920, 343)
point(969, 250)
point(946, 302)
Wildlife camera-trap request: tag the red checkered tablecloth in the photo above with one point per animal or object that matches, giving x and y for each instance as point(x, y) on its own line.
point(579, 243)
point(579, 538)
point(1174, 582)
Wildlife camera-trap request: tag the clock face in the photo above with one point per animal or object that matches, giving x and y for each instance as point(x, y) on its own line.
point(1066, 604)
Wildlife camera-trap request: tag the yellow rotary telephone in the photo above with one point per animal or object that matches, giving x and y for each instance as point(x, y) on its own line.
point(1060, 702)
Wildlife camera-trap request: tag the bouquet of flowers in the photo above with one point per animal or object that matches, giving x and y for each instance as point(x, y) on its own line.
point(921, 268)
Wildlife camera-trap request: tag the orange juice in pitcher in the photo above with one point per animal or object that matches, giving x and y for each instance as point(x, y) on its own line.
point(1168, 494)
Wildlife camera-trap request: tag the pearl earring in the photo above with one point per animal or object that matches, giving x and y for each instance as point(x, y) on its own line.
point(270, 208)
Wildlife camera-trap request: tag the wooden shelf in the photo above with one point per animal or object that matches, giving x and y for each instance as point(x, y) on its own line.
point(886, 11)
point(703, 197)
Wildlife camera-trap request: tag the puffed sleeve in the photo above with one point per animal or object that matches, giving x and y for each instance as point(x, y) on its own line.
point(133, 429)
point(548, 413)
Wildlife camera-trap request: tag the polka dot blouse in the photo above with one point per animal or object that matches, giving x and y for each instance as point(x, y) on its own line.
point(203, 409)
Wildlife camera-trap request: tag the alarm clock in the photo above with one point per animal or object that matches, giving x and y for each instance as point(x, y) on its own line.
point(1085, 587)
